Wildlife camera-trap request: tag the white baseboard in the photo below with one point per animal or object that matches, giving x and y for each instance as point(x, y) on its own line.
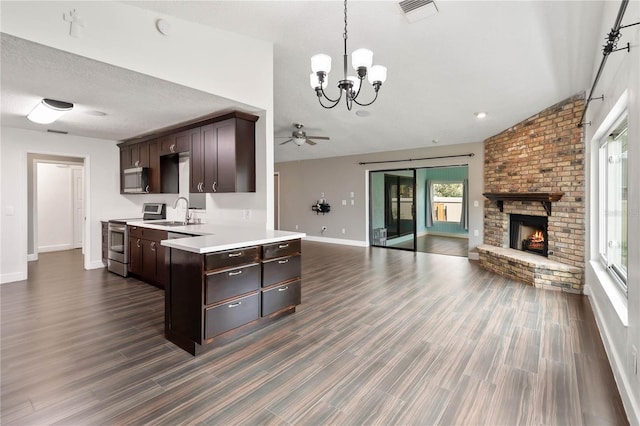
point(474, 255)
point(96, 264)
point(625, 387)
point(447, 234)
point(356, 243)
point(57, 247)
point(13, 277)
point(32, 257)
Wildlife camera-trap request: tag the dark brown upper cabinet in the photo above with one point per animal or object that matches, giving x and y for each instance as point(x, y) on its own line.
point(221, 154)
point(223, 158)
point(175, 143)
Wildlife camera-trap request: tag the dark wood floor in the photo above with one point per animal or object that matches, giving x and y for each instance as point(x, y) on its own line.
point(438, 244)
point(382, 337)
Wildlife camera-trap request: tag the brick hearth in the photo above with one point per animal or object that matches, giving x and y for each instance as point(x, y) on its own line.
point(544, 153)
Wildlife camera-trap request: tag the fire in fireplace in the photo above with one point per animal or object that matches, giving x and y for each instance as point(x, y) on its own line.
point(529, 233)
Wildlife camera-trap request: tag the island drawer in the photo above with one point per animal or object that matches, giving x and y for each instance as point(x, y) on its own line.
point(282, 269)
point(235, 257)
point(232, 282)
point(281, 297)
point(284, 248)
point(222, 318)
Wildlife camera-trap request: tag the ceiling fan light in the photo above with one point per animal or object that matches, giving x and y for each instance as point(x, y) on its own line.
point(361, 58)
point(314, 81)
point(49, 110)
point(299, 141)
point(377, 73)
point(321, 63)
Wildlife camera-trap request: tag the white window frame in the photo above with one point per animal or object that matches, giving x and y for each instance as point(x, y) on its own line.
point(619, 277)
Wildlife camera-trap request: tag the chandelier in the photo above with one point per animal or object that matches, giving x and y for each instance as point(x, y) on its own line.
point(361, 60)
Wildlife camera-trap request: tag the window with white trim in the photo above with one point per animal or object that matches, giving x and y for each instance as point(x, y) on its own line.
point(612, 201)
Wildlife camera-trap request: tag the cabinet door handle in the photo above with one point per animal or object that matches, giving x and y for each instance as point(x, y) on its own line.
point(235, 254)
point(147, 189)
point(201, 187)
point(233, 274)
point(283, 261)
point(214, 186)
point(284, 288)
point(172, 148)
point(153, 246)
point(137, 163)
point(233, 305)
point(138, 242)
point(281, 246)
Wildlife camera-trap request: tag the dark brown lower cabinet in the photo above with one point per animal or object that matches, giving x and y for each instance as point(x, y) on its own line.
point(213, 298)
point(147, 255)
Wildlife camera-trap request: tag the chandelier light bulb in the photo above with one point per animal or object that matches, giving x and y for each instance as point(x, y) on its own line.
point(361, 58)
point(321, 63)
point(377, 73)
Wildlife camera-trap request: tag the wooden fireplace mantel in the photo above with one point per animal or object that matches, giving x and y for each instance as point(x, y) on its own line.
point(546, 198)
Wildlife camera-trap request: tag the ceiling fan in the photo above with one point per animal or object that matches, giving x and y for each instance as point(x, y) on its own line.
point(299, 137)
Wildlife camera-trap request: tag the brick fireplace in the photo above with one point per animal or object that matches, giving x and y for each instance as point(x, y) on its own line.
point(541, 156)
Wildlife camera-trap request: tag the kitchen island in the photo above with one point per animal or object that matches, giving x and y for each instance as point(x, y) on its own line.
point(227, 281)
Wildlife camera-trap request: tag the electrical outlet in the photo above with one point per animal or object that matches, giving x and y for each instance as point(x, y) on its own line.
point(344, 231)
point(476, 233)
point(344, 202)
point(297, 226)
point(353, 203)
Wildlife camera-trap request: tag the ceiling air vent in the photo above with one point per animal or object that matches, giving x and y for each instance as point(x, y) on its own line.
point(415, 10)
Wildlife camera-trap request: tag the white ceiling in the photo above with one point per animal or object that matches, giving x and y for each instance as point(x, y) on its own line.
point(508, 58)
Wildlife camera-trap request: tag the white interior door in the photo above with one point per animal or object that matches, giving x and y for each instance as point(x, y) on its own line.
point(77, 183)
point(55, 224)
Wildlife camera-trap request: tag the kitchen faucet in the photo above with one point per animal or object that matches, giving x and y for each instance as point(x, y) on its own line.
point(187, 216)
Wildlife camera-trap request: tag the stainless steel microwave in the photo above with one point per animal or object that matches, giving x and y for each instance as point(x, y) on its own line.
point(136, 180)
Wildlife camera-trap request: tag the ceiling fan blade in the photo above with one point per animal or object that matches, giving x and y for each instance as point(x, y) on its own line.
point(326, 138)
point(286, 141)
point(310, 142)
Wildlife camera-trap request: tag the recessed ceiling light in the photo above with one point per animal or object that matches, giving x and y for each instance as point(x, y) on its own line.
point(480, 115)
point(362, 113)
point(96, 113)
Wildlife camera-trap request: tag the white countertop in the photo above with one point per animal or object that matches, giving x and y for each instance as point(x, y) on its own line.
point(211, 238)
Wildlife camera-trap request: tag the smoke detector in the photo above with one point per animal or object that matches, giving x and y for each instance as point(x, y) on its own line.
point(415, 10)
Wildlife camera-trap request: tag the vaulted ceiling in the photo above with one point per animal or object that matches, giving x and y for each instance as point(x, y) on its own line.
point(508, 58)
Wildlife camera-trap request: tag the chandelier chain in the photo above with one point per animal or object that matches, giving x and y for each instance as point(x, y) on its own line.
point(344, 35)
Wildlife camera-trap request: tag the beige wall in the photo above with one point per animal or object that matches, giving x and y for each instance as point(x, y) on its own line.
point(302, 183)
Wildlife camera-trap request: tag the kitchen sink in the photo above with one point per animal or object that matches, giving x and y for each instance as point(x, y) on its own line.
point(172, 223)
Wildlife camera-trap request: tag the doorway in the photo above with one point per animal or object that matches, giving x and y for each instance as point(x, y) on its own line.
point(422, 209)
point(56, 218)
point(276, 200)
point(392, 195)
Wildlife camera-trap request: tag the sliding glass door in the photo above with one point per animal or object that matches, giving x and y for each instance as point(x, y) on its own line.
point(393, 209)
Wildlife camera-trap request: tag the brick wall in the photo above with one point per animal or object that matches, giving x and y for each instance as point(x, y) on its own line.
point(544, 153)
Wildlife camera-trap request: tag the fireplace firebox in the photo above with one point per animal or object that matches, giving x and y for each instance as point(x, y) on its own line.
point(529, 233)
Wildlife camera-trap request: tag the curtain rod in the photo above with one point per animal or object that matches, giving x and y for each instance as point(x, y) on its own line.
point(416, 159)
point(612, 39)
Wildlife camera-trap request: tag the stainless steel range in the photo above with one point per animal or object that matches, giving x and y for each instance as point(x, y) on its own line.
point(118, 238)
